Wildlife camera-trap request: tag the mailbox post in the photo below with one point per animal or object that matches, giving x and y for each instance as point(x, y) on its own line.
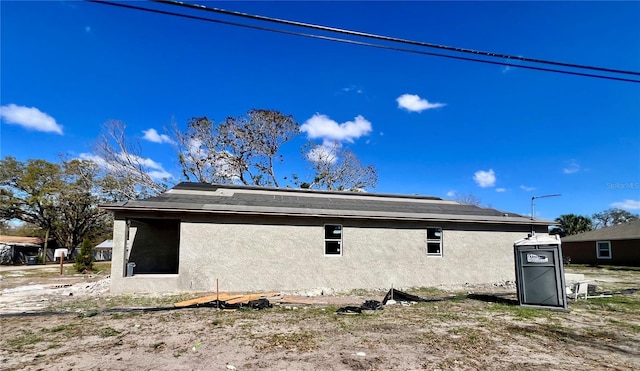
point(539, 272)
point(60, 253)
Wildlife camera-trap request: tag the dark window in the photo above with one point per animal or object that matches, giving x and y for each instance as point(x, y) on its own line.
point(333, 239)
point(603, 249)
point(154, 246)
point(434, 233)
point(434, 241)
point(433, 248)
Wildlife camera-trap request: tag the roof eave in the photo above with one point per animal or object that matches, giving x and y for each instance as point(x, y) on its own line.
point(342, 214)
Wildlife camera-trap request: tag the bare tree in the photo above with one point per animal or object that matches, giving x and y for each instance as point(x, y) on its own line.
point(198, 153)
point(336, 168)
point(128, 171)
point(242, 149)
point(468, 198)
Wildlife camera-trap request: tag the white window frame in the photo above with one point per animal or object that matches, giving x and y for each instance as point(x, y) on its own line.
point(598, 250)
point(433, 240)
point(325, 240)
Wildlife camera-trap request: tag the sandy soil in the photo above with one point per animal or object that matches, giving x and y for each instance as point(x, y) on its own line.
point(72, 323)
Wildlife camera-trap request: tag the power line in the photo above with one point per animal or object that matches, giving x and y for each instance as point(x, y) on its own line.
point(392, 39)
point(360, 43)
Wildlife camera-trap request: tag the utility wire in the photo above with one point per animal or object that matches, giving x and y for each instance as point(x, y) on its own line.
point(392, 39)
point(353, 42)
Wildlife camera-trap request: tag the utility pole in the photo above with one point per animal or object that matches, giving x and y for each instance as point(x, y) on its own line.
point(533, 200)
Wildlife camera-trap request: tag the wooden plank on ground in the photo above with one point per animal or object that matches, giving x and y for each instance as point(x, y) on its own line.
point(226, 297)
point(206, 299)
point(246, 298)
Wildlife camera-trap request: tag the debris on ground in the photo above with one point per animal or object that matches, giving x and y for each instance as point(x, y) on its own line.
point(403, 297)
point(367, 305)
point(393, 296)
point(349, 310)
point(36, 296)
point(231, 301)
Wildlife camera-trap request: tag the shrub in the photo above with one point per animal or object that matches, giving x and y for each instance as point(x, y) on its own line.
point(84, 260)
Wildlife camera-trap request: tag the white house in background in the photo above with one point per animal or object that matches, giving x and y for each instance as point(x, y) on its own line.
point(252, 238)
point(103, 251)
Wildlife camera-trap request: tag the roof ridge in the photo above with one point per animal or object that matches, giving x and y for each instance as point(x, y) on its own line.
point(618, 231)
point(214, 186)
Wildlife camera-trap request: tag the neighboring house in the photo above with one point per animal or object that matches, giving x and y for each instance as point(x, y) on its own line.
point(17, 250)
point(252, 238)
point(102, 251)
point(616, 245)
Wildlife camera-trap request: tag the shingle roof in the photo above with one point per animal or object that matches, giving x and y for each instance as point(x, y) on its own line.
point(21, 240)
point(207, 198)
point(628, 231)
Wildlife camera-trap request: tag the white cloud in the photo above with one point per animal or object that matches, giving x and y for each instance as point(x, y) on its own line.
point(485, 179)
point(627, 204)
point(144, 161)
point(572, 167)
point(153, 136)
point(451, 193)
point(159, 174)
point(501, 190)
point(352, 88)
point(97, 159)
point(414, 103)
point(527, 189)
point(29, 118)
point(321, 126)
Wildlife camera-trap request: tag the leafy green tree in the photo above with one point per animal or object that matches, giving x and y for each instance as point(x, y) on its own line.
point(84, 259)
point(610, 217)
point(30, 191)
point(23, 230)
point(79, 216)
point(571, 224)
point(60, 199)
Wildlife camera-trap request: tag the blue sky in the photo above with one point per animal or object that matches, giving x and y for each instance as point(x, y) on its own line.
point(431, 126)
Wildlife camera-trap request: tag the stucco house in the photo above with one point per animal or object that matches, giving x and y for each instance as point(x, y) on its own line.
point(615, 245)
point(252, 238)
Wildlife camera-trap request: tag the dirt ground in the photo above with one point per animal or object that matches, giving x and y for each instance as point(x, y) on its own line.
point(71, 322)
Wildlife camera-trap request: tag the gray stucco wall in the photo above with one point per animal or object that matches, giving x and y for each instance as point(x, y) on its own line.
point(249, 254)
